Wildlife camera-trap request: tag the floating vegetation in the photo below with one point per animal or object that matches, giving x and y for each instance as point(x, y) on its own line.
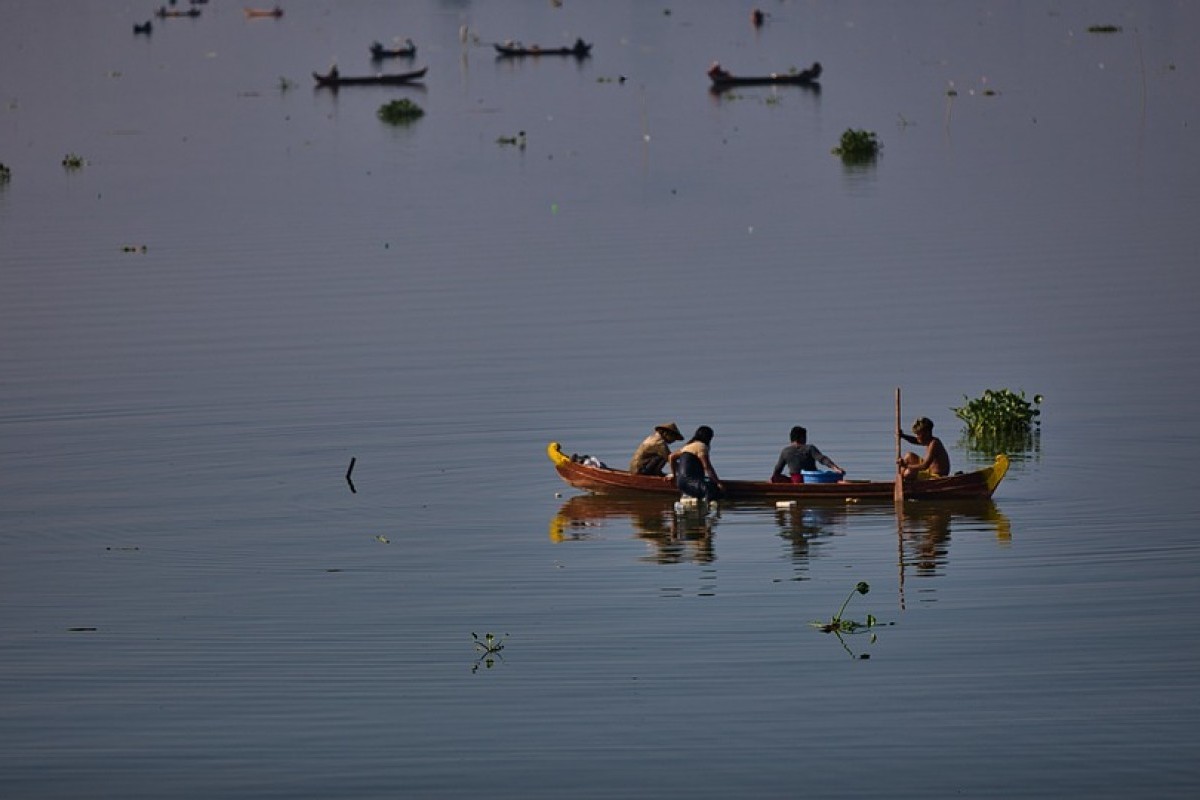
point(512, 141)
point(285, 84)
point(133, 248)
point(1001, 421)
point(489, 648)
point(72, 161)
point(1104, 29)
point(490, 644)
point(400, 112)
point(999, 411)
point(5, 173)
point(858, 146)
point(838, 623)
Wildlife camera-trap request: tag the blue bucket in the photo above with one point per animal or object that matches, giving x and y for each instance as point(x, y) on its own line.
point(820, 476)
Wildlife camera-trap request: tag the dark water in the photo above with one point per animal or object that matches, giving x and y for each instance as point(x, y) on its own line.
point(193, 603)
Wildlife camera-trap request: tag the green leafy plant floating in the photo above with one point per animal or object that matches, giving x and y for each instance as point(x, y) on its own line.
point(400, 112)
point(858, 146)
point(5, 173)
point(839, 624)
point(489, 648)
point(1001, 421)
point(72, 161)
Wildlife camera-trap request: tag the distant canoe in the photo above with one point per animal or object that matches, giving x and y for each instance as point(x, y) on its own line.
point(252, 13)
point(379, 52)
point(164, 13)
point(515, 50)
point(335, 80)
point(602, 480)
point(722, 79)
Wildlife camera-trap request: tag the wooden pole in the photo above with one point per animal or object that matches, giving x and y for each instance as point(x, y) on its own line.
point(898, 491)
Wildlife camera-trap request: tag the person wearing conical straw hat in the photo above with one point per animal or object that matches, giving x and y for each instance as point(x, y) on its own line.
point(652, 454)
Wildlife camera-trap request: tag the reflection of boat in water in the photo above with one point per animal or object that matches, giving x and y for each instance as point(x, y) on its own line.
point(677, 533)
point(981, 483)
point(924, 531)
point(682, 533)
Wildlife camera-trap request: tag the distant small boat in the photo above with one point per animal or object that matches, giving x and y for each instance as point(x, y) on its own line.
point(721, 79)
point(164, 12)
point(379, 52)
point(252, 13)
point(580, 49)
point(333, 79)
point(145, 28)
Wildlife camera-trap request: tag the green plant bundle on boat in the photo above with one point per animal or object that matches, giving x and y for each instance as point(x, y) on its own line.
point(400, 112)
point(857, 146)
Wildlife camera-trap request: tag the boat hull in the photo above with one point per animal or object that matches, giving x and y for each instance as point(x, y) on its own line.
point(398, 79)
point(979, 484)
point(520, 52)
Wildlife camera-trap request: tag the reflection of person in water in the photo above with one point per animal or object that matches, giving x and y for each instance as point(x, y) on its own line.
point(927, 539)
point(675, 538)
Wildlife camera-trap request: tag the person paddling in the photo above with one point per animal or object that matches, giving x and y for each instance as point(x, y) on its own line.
point(936, 461)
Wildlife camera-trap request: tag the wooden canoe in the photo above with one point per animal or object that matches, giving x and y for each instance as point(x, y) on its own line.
point(399, 78)
point(259, 13)
point(509, 50)
point(722, 80)
point(979, 484)
point(165, 13)
point(379, 52)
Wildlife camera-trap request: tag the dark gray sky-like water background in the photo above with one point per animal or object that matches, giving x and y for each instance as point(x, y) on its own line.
point(250, 281)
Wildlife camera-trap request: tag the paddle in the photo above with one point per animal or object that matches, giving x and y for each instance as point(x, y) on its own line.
point(898, 491)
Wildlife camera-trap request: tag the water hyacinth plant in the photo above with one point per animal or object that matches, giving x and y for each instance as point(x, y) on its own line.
point(857, 146)
point(488, 647)
point(838, 623)
point(1000, 421)
point(400, 112)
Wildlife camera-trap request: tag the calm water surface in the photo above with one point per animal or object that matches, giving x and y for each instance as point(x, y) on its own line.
point(193, 601)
